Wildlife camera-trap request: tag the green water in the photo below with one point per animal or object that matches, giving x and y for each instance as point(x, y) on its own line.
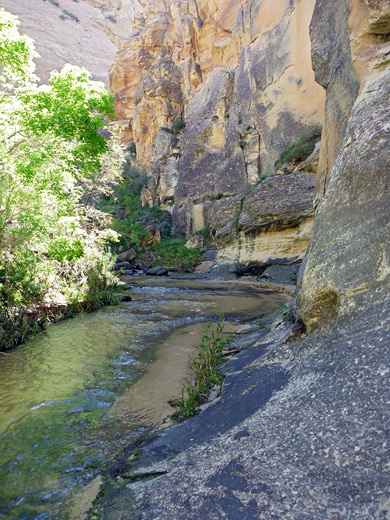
point(57, 390)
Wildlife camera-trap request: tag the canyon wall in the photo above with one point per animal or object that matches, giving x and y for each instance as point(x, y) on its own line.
point(87, 33)
point(348, 263)
point(239, 74)
point(318, 448)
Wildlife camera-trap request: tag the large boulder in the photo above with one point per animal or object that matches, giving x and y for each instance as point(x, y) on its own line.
point(127, 256)
point(271, 223)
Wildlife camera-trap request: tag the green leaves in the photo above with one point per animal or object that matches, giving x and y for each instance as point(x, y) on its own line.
point(54, 159)
point(17, 52)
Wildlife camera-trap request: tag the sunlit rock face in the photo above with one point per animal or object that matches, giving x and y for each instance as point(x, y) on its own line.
point(84, 33)
point(240, 76)
point(349, 256)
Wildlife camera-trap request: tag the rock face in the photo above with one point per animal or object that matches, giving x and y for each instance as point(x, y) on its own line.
point(238, 73)
point(349, 257)
point(332, 63)
point(271, 224)
point(85, 33)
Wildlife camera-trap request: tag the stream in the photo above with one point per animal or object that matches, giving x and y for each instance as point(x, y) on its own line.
point(75, 394)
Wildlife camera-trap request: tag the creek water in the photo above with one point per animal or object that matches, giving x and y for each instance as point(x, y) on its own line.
point(75, 394)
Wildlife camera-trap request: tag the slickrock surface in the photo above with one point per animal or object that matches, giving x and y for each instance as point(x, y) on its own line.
point(300, 432)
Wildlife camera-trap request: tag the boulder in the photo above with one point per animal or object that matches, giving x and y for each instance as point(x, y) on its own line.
point(154, 270)
point(121, 265)
point(162, 272)
point(127, 256)
point(273, 223)
point(154, 237)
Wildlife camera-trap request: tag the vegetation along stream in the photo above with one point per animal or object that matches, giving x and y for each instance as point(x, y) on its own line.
point(75, 394)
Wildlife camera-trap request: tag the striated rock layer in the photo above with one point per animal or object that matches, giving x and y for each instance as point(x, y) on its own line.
point(271, 224)
point(349, 257)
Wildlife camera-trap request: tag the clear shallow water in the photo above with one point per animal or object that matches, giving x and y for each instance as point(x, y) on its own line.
point(73, 395)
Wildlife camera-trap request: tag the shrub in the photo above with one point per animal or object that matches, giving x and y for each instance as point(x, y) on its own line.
point(262, 177)
point(302, 148)
point(178, 125)
point(173, 255)
point(204, 232)
point(216, 196)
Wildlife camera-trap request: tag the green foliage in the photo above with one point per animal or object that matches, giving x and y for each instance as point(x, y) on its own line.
point(173, 255)
point(132, 148)
point(205, 373)
point(54, 164)
point(302, 148)
point(132, 219)
point(205, 232)
point(216, 196)
point(242, 144)
point(284, 311)
point(178, 125)
point(71, 15)
point(262, 177)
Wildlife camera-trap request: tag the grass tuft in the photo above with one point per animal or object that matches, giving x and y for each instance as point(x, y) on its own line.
point(205, 373)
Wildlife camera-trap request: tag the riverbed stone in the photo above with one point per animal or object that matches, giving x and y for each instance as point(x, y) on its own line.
point(127, 256)
point(154, 270)
point(281, 273)
point(121, 265)
point(308, 440)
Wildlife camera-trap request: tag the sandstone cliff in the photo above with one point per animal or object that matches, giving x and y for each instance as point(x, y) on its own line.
point(349, 257)
point(85, 32)
point(239, 74)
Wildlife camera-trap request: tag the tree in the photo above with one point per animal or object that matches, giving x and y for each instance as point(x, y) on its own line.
point(54, 158)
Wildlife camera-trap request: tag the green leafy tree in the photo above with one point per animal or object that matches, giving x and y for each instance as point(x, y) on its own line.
point(55, 160)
